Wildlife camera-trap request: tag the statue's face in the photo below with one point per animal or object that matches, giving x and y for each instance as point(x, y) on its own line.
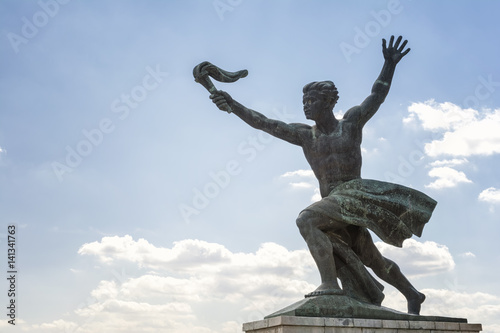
point(314, 105)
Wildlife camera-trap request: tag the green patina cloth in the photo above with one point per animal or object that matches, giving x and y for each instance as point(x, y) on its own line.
point(393, 212)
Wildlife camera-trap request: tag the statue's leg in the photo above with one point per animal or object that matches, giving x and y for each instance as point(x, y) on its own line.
point(311, 225)
point(385, 268)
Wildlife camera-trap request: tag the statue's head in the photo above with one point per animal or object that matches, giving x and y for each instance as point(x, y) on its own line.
point(319, 97)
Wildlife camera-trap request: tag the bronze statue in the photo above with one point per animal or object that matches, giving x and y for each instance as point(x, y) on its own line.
point(336, 227)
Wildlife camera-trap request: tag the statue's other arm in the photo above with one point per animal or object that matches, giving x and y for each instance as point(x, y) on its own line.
point(392, 55)
point(292, 133)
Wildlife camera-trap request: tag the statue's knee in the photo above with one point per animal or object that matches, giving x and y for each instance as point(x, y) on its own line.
point(304, 221)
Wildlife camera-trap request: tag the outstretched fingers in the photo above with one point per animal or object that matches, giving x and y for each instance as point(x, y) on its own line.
point(395, 50)
point(396, 46)
point(403, 45)
point(391, 42)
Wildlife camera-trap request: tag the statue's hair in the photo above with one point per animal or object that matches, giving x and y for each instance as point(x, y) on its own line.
point(325, 88)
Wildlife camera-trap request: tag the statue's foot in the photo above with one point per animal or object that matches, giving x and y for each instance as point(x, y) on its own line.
point(415, 303)
point(326, 289)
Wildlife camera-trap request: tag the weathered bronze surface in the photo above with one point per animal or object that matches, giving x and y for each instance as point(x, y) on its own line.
point(336, 227)
point(342, 306)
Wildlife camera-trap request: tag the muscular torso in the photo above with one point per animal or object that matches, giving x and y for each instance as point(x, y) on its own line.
point(335, 157)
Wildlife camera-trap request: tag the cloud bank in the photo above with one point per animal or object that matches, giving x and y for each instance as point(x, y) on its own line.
point(418, 259)
point(187, 281)
point(459, 133)
point(205, 287)
point(466, 132)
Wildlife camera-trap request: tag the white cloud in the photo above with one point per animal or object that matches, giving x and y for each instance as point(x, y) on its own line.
point(418, 259)
point(446, 177)
point(370, 152)
point(476, 307)
point(184, 255)
point(316, 196)
point(300, 185)
point(193, 256)
point(466, 132)
point(468, 255)
point(478, 138)
point(298, 173)
point(193, 280)
point(119, 313)
point(303, 179)
point(339, 114)
point(238, 287)
point(439, 116)
point(58, 325)
point(449, 163)
point(490, 195)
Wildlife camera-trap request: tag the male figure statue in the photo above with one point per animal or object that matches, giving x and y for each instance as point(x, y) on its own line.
point(335, 228)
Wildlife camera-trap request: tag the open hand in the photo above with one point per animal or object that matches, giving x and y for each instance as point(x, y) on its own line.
point(222, 99)
point(394, 52)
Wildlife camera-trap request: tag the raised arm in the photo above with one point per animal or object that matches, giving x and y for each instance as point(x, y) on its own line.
point(392, 55)
point(292, 133)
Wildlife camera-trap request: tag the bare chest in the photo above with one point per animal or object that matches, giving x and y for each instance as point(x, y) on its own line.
point(344, 140)
point(335, 156)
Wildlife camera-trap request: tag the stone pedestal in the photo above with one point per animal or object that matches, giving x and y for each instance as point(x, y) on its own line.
point(291, 324)
point(342, 314)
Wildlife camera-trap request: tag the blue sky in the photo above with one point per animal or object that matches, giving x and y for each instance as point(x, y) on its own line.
point(133, 196)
